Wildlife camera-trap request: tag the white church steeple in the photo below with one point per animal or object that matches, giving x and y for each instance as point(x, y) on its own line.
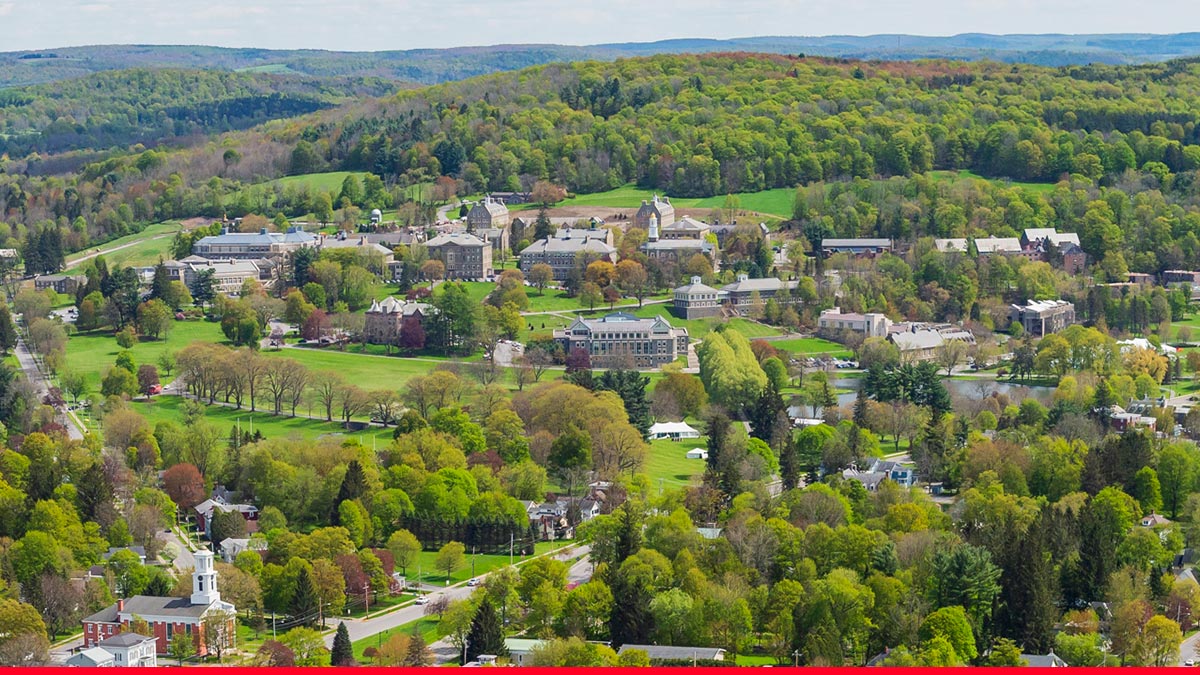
point(204, 579)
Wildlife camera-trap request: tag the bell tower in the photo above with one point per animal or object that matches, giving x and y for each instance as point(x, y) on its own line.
point(204, 579)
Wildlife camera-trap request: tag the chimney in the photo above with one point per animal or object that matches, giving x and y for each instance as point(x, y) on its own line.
point(743, 277)
point(120, 604)
point(224, 230)
point(262, 230)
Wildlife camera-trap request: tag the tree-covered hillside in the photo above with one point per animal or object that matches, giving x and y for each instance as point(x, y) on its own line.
point(706, 125)
point(120, 108)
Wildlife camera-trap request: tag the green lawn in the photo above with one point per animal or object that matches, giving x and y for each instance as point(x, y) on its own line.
point(667, 462)
point(134, 255)
point(778, 202)
point(93, 352)
point(811, 345)
point(368, 372)
point(963, 174)
point(483, 563)
point(169, 408)
point(427, 625)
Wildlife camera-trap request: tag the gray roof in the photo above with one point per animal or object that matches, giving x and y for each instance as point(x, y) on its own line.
point(149, 605)
point(390, 305)
point(672, 652)
point(686, 224)
point(573, 245)
point(294, 235)
point(921, 339)
point(673, 244)
point(998, 245)
point(851, 243)
point(764, 284)
point(624, 322)
point(953, 244)
point(93, 656)
point(456, 239)
point(582, 233)
point(494, 207)
point(696, 287)
point(124, 640)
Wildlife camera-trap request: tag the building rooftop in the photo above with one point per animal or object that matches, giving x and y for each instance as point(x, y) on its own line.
point(687, 224)
point(392, 305)
point(696, 286)
point(672, 652)
point(998, 245)
point(1042, 305)
point(747, 285)
point(849, 243)
point(149, 605)
point(124, 640)
point(572, 245)
point(677, 244)
point(919, 339)
point(456, 239)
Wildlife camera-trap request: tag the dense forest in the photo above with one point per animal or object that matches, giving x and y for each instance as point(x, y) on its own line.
point(151, 106)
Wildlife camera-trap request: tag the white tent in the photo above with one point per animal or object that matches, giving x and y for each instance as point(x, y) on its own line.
point(697, 453)
point(673, 431)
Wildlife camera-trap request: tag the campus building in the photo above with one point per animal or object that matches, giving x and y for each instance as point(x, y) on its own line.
point(569, 250)
point(1043, 317)
point(464, 255)
point(385, 321)
point(486, 214)
point(870, 324)
point(228, 275)
point(251, 246)
point(659, 209)
point(620, 338)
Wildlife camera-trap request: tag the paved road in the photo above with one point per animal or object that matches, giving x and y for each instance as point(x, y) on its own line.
point(184, 560)
point(1187, 648)
point(41, 384)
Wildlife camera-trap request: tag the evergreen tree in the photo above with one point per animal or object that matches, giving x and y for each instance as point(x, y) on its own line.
point(629, 537)
point(542, 227)
point(306, 602)
point(160, 287)
point(8, 331)
point(342, 653)
point(631, 621)
point(769, 420)
point(1029, 610)
point(418, 652)
point(630, 385)
point(204, 287)
point(486, 635)
point(1102, 404)
point(354, 485)
point(93, 491)
point(860, 409)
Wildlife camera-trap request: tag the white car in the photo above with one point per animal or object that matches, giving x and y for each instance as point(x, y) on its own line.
point(473, 582)
point(421, 600)
point(1189, 662)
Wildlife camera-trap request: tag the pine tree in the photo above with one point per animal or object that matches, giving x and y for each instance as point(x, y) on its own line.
point(354, 485)
point(306, 603)
point(342, 653)
point(161, 286)
point(629, 537)
point(8, 332)
point(418, 652)
point(542, 228)
point(631, 621)
point(860, 409)
point(486, 635)
point(768, 418)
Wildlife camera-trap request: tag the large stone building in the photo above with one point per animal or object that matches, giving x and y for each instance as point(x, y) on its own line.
point(372, 254)
point(252, 246)
point(620, 339)
point(684, 228)
point(488, 213)
point(1043, 317)
point(679, 249)
point(229, 275)
point(166, 616)
point(566, 253)
point(746, 291)
point(660, 209)
point(464, 255)
point(697, 301)
point(385, 321)
point(66, 284)
point(920, 341)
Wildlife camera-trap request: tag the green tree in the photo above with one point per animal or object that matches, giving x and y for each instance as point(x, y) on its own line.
point(951, 624)
point(181, 647)
point(450, 557)
point(342, 653)
point(305, 604)
point(486, 635)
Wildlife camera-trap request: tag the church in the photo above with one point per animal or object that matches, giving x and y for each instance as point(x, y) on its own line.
point(165, 616)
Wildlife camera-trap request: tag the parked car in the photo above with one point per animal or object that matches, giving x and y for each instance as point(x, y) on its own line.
point(473, 582)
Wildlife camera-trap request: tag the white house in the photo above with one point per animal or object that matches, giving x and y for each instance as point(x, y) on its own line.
point(131, 650)
point(93, 657)
point(673, 431)
point(520, 650)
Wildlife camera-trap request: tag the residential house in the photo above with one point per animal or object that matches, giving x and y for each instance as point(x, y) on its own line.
point(1122, 420)
point(857, 247)
point(1050, 660)
point(903, 476)
point(464, 255)
point(660, 210)
point(1042, 317)
point(520, 650)
point(92, 657)
point(1154, 520)
point(696, 301)
point(488, 213)
point(251, 246)
point(207, 508)
point(65, 284)
point(673, 431)
point(230, 547)
point(567, 253)
point(131, 650)
point(623, 339)
point(670, 653)
point(870, 324)
point(385, 320)
point(165, 616)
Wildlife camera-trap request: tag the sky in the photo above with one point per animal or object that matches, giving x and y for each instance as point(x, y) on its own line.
point(369, 25)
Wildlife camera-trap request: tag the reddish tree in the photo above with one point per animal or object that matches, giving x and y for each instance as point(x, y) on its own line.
point(147, 376)
point(418, 293)
point(276, 654)
point(611, 295)
point(763, 350)
point(184, 485)
point(386, 559)
point(315, 326)
point(352, 572)
point(578, 359)
point(412, 334)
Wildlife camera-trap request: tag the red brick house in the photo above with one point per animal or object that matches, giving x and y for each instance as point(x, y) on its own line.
point(165, 616)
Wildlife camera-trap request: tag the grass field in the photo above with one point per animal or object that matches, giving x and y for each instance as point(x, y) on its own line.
point(368, 372)
point(778, 202)
point(963, 174)
point(170, 408)
point(93, 352)
point(145, 252)
point(667, 461)
point(811, 345)
point(427, 625)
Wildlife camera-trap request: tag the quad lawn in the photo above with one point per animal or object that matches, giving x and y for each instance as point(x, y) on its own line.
point(93, 352)
point(170, 408)
point(811, 345)
point(366, 371)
